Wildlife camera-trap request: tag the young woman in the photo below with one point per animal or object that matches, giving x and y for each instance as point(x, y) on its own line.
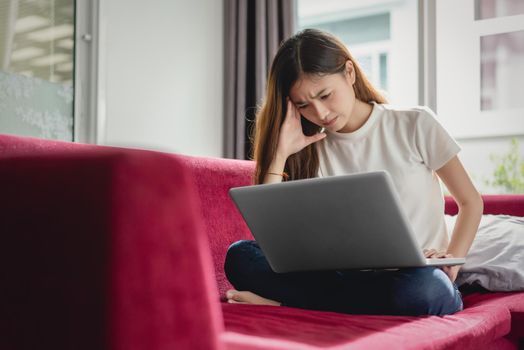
point(322, 117)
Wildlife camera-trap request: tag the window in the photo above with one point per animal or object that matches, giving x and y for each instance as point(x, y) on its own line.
point(36, 72)
point(485, 9)
point(501, 61)
point(488, 50)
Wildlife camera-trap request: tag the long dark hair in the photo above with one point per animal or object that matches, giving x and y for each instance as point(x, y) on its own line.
point(309, 52)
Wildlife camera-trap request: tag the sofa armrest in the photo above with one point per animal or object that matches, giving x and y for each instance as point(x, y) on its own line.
point(103, 249)
point(509, 204)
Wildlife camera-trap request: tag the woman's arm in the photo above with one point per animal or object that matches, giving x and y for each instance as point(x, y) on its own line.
point(470, 206)
point(291, 140)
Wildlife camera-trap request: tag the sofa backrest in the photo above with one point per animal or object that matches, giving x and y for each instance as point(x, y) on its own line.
point(11, 146)
point(222, 221)
point(494, 204)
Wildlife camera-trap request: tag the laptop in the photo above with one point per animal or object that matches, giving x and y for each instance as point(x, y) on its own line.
point(332, 223)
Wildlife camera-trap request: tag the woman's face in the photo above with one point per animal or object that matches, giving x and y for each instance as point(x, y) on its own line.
point(327, 101)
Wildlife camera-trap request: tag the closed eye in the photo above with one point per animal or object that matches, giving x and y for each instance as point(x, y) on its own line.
point(325, 96)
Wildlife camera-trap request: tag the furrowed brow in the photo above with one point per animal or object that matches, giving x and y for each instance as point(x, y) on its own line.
point(300, 103)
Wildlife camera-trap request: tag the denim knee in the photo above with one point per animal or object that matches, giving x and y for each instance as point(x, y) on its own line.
point(237, 259)
point(427, 291)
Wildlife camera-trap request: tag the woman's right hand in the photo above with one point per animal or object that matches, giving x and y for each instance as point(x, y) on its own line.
point(292, 139)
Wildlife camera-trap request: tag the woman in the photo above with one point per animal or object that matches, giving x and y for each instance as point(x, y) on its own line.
point(322, 117)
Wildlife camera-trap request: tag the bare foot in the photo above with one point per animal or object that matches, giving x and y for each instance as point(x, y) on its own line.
point(236, 297)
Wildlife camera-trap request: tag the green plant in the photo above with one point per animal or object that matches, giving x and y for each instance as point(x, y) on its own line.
point(509, 170)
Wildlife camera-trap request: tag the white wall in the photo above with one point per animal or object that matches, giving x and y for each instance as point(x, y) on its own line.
point(163, 75)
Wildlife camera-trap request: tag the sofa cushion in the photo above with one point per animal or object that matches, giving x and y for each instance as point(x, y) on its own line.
point(494, 260)
point(289, 328)
point(514, 302)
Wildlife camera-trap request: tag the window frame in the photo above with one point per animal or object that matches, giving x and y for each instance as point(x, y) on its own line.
point(467, 109)
point(89, 77)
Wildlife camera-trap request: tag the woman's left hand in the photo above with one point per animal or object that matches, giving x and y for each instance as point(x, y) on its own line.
point(451, 271)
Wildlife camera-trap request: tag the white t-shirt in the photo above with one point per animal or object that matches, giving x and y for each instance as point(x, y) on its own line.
point(410, 144)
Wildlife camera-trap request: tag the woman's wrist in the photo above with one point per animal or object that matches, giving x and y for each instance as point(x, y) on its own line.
point(278, 164)
point(280, 158)
point(283, 175)
point(275, 172)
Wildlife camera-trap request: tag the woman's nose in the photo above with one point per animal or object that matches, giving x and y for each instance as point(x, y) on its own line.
point(320, 110)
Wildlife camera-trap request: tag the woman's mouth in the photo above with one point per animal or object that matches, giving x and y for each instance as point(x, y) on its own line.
point(329, 122)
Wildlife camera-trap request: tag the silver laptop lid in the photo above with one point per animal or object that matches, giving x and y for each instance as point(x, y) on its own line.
point(332, 223)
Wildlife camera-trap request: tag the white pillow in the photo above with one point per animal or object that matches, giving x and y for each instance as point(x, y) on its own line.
point(496, 258)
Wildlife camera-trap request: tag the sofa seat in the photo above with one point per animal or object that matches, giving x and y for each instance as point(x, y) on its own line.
point(514, 302)
point(483, 326)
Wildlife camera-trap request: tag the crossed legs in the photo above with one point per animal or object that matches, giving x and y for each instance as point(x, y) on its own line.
point(411, 291)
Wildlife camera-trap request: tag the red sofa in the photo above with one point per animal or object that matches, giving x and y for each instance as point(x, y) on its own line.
point(108, 248)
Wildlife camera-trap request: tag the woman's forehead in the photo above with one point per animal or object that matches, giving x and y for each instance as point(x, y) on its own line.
point(311, 85)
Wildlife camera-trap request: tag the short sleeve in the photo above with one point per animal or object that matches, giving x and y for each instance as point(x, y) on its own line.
point(434, 144)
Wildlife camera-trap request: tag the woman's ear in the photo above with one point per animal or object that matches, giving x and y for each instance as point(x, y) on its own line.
point(350, 72)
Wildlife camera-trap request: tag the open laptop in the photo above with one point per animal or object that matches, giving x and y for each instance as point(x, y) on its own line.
point(332, 223)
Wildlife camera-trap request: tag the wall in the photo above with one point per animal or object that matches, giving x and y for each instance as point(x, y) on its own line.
point(163, 71)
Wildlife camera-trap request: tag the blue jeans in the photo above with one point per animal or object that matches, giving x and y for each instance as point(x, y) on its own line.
point(407, 291)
